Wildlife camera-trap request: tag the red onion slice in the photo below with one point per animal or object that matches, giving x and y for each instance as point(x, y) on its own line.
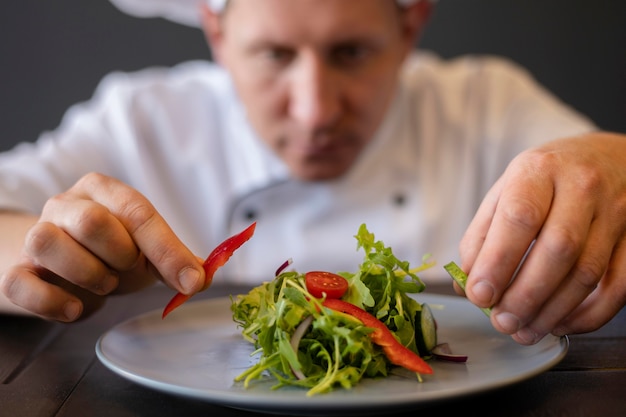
point(442, 351)
point(295, 341)
point(283, 266)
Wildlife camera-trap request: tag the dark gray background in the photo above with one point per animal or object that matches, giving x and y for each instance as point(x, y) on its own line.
point(54, 52)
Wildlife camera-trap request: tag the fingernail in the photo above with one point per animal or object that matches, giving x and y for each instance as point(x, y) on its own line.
point(483, 293)
point(108, 285)
point(71, 310)
point(508, 322)
point(527, 337)
point(189, 279)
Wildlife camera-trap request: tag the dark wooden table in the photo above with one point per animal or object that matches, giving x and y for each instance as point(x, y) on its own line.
point(50, 369)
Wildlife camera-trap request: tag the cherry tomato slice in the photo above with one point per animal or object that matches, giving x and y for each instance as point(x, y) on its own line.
point(320, 282)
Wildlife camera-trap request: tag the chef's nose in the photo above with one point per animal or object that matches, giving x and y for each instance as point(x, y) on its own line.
point(314, 96)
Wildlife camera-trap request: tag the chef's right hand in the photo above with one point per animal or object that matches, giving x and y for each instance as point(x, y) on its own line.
point(100, 237)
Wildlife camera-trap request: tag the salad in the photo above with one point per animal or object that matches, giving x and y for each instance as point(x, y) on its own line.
point(321, 330)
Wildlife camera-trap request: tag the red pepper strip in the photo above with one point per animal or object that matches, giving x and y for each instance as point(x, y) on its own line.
point(396, 352)
point(217, 258)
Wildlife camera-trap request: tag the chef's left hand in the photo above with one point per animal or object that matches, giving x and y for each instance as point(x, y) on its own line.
point(569, 198)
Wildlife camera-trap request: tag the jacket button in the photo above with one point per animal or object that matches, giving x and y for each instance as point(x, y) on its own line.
point(399, 200)
point(250, 214)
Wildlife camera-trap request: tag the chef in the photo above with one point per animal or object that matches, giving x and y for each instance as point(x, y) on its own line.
point(314, 118)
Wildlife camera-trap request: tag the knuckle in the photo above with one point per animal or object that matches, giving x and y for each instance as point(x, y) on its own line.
point(587, 274)
point(138, 215)
point(589, 181)
point(91, 180)
point(563, 243)
point(41, 239)
point(9, 282)
point(539, 159)
point(13, 287)
point(163, 258)
point(90, 223)
point(523, 213)
point(53, 202)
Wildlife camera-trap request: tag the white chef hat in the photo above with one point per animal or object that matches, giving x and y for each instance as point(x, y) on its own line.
point(185, 12)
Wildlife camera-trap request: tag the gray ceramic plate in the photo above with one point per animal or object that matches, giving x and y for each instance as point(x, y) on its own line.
point(198, 350)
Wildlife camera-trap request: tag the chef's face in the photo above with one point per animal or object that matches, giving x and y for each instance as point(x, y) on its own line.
point(315, 76)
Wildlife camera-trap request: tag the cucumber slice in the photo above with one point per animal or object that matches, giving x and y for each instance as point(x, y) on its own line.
point(425, 331)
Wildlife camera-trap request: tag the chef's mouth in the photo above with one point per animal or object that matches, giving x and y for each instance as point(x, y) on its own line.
point(318, 147)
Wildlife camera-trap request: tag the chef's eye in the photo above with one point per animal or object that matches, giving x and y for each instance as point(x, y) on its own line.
point(350, 54)
point(278, 55)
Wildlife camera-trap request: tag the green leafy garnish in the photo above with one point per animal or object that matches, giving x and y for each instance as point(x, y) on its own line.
point(460, 278)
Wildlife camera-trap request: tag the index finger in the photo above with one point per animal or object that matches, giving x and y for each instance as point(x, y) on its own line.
point(153, 236)
point(502, 232)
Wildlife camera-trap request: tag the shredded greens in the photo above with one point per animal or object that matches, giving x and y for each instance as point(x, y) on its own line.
point(336, 350)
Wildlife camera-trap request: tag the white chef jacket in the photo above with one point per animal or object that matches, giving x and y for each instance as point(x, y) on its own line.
point(180, 136)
